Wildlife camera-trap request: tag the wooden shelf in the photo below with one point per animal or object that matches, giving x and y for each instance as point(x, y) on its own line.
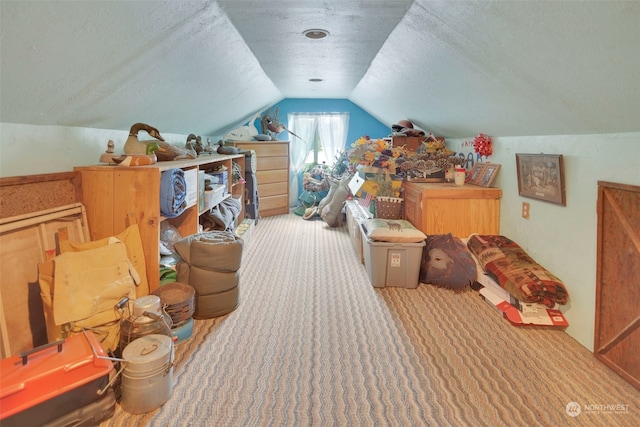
point(118, 196)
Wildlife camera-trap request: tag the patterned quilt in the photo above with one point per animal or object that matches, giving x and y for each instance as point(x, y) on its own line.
point(515, 271)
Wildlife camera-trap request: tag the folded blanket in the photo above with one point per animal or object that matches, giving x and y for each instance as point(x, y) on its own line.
point(173, 193)
point(222, 216)
point(515, 271)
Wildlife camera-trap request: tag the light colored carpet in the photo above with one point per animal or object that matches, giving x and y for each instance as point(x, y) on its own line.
point(312, 343)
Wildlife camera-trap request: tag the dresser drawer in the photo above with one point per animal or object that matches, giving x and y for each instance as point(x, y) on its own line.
point(266, 149)
point(266, 177)
point(271, 163)
point(272, 189)
point(280, 202)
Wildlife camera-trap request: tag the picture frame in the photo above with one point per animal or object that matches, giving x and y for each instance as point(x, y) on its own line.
point(476, 173)
point(484, 174)
point(541, 176)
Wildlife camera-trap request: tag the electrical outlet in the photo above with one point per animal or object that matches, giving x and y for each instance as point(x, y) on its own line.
point(525, 210)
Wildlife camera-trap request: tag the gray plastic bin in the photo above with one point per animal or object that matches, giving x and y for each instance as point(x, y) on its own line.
point(392, 264)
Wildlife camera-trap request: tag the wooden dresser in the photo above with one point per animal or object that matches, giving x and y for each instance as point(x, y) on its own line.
point(272, 174)
point(441, 208)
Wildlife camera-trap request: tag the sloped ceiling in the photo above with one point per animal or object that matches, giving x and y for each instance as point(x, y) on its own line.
point(454, 68)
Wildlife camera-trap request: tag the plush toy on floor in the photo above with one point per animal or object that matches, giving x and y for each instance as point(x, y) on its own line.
point(330, 208)
point(447, 263)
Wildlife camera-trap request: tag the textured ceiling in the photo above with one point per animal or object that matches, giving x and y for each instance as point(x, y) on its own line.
point(454, 68)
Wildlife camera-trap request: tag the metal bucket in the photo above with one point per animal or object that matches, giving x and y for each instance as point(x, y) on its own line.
point(147, 379)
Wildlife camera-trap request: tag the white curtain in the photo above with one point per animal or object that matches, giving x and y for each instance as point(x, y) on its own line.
point(305, 126)
point(332, 129)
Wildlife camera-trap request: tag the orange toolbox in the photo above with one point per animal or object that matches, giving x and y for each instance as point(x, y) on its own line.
point(53, 382)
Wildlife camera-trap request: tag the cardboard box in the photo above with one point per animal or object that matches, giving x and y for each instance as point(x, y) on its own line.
point(201, 186)
point(221, 178)
point(191, 179)
point(356, 215)
point(411, 142)
point(213, 197)
point(392, 264)
point(531, 315)
point(245, 229)
point(488, 282)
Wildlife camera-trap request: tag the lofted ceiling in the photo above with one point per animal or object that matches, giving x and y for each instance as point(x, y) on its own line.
point(455, 68)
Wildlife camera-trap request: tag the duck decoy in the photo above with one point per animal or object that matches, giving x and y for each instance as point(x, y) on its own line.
point(135, 146)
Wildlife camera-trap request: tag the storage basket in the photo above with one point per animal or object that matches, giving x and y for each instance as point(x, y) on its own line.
point(389, 207)
point(179, 300)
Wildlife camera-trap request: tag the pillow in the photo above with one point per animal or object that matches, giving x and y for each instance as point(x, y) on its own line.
point(393, 230)
point(447, 263)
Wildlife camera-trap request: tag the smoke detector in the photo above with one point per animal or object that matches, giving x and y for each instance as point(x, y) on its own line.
point(315, 34)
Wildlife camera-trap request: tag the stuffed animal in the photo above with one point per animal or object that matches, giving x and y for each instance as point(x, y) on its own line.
point(333, 186)
point(447, 263)
point(331, 210)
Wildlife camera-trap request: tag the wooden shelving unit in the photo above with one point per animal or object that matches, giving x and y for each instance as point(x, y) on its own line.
point(116, 197)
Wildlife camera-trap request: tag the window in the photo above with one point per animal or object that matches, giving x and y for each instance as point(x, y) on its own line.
point(321, 137)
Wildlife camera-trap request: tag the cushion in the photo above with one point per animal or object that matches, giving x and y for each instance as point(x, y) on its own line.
point(393, 230)
point(447, 263)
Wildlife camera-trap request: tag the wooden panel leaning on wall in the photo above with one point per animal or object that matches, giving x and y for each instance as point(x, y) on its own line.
point(32, 193)
point(22, 324)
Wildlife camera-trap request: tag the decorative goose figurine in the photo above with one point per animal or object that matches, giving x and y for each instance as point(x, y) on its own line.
point(133, 145)
point(194, 143)
point(162, 149)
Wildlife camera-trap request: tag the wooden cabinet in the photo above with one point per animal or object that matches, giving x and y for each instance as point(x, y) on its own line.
point(272, 175)
point(441, 208)
point(117, 196)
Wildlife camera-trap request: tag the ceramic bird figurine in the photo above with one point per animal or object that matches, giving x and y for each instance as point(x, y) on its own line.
point(271, 124)
point(194, 143)
point(276, 127)
point(135, 146)
point(167, 152)
point(163, 150)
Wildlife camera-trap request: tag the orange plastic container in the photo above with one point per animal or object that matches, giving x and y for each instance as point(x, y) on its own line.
point(48, 382)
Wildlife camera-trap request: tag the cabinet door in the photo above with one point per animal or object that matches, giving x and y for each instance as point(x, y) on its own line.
point(461, 217)
point(617, 328)
point(412, 206)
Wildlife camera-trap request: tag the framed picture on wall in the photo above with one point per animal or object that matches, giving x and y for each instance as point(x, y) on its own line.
point(541, 176)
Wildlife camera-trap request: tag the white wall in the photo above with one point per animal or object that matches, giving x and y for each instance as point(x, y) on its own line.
point(563, 238)
point(29, 150)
